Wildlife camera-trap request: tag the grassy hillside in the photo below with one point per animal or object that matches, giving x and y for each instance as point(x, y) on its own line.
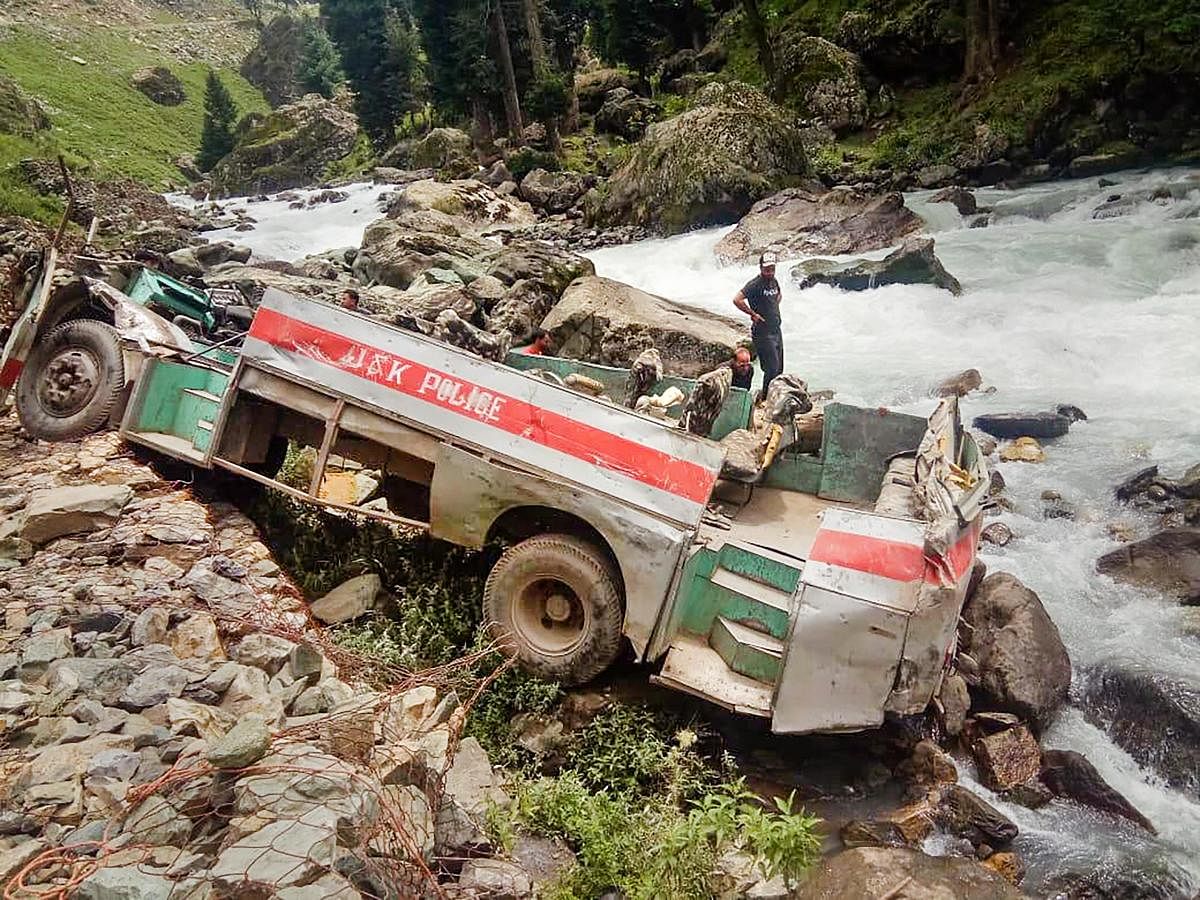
point(99, 120)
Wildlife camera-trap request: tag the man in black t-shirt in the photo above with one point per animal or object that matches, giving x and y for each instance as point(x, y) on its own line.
point(759, 299)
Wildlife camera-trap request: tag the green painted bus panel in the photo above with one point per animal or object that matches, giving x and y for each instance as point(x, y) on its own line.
point(795, 472)
point(745, 658)
point(690, 607)
point(744, 561)
point(165, 408)
point(734, 414)
point(202, 438)
point(721, 601)
point(856, 446)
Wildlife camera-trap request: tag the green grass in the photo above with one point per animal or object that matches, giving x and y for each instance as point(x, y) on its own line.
point(98, 116)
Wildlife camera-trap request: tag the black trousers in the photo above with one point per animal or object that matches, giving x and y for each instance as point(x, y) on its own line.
point(768, 344)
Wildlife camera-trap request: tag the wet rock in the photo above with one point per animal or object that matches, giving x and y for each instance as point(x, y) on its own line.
point(1154, 717)
point(1024, 667)
point(997, 533)
point(160, 84)
point(1007, 758)
point(1008, 865)
point(1068, 774)
point(244, 744)
point(876, 872)
point(1032, 794)
point(1017, 425)
point(1136, 483)
point(348, 600)
point(955, 700)
point(1168, 561)
point(913, 263)
point(611, 323)
point(873, 834)
point(962, 813)
point(963, 200)
point(1074, 413)
point(496, 878)
point(1121, 881)
point(67, 510)
point(708, 165)
point(1023, 449)
point(959, 385)
point(804, 221)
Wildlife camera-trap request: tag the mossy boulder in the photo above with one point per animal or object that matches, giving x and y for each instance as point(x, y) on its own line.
point(592, 87)
point(273, 65)
point(823, 81)
point(708, 165)
point(19, 113)
point(440, 149)
point(289, 148)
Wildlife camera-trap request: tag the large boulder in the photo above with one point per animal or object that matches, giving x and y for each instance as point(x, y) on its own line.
point(472, 205)
point(707, 166)
point(441, 148)
point(1154, 717)
point(1168, 561)
point(1068, 774)
point(879, 871)
point(19, 113)
point(273, 64)
point(290, 148)
point(822, 81)
point(1023, 666)
point(611, 323)
point(806, 221)
point(252, 281)
point(913, 262)
point(56, 512)
point(160, 84)
point(591, 88)
point(395, 255)
point(555, 192)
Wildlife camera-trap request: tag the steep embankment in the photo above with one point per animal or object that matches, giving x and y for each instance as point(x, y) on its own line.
point(78, 60)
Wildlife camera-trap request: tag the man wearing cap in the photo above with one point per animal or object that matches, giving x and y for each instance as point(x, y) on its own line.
point(759, 299)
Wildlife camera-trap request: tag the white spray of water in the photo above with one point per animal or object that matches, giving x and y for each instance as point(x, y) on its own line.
point(1058, 307)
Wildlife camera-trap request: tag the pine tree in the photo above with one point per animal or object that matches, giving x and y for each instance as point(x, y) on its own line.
point(320, 65)
point(220, 113)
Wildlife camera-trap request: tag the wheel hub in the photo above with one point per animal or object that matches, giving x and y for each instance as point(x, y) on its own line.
point(69, 382)
point(550, 616)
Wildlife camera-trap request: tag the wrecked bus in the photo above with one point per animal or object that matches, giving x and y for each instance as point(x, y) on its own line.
point(823, 595)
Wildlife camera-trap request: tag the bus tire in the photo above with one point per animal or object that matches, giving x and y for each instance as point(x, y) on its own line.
point(72, 382)
point(554, 602)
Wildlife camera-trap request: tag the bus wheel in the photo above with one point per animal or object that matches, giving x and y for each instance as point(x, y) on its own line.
point(554, 602)
point(72, 381)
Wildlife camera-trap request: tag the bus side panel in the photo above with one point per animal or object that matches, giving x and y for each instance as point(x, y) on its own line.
point(469, 494)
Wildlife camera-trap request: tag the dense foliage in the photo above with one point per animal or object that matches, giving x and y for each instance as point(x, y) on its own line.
point(220, 114)
point(321, 65)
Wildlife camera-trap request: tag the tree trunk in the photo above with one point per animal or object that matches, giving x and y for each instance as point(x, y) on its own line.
point(533, 29)
point(766, 56)
point(512, 101)
point(983, 39)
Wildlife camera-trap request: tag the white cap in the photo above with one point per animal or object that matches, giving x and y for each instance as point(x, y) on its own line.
point(767, 259)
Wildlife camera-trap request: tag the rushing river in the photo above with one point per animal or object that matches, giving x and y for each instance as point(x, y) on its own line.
point(1057, 307)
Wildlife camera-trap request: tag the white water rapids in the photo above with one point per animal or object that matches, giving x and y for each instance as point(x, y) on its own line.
point(1057, 307)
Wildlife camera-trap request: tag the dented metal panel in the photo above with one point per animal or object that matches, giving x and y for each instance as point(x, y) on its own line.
point(522, 419)
point(469, 494)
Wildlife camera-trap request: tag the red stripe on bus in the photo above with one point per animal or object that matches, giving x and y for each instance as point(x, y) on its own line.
point(11, 372)
point(893, 559)
point(506, 413)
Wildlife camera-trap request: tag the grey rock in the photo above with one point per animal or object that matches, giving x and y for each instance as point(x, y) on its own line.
point(71, 510)
point(150, 627)
point(13, 859)
point(125, 883)
point(264, 651)
point(329, 886)
point(1069, 774)
point(1168, 561)
point(280, 855)
point(154, 686)
point(159, 820)
point(242, 745)
point(120, 765)
point(913, 263)
point(1024, 667)
point(305, 661)
point(963, 200)
point(470, 787)
point(348, 600)
point(932, 176)
point(496, 878)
